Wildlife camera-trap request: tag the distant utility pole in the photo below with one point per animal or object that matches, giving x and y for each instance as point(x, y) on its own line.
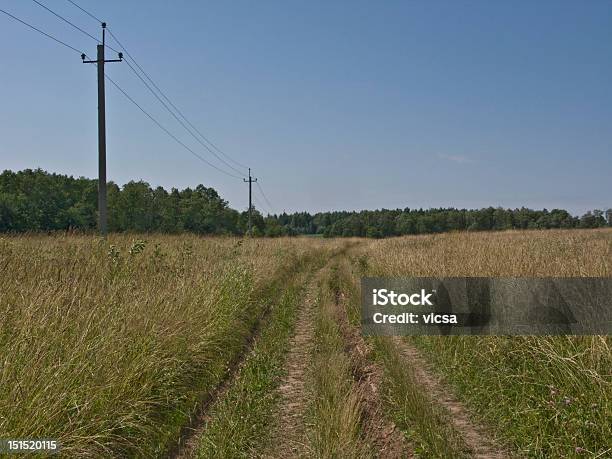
point(251, 181)
point(102, 210)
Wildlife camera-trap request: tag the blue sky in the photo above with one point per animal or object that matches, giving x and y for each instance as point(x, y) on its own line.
point(335, 105)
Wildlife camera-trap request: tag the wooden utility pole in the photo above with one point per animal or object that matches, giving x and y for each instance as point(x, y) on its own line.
point(250, 181)
point(102, 207)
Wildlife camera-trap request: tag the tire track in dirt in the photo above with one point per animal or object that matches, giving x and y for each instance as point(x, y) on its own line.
point(186, 446)
point(386, 438)
point(289, 437)
point(474, 435)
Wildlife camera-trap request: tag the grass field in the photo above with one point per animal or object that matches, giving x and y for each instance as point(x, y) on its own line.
point(182, 346)
point(544, 396)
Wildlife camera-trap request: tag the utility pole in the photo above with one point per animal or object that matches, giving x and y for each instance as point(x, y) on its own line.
point(102, 208)
point(251, 181)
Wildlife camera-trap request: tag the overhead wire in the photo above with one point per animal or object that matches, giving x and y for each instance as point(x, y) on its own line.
point(114, 83)
point(178, 111)
point(41, 32)
point(261, 207)
point(86, 12)
point(163, 128)
point(125, 94)
point(177, 118)
point(97, 40)
point(166, 98)
point(271, 207)
point(66, 20)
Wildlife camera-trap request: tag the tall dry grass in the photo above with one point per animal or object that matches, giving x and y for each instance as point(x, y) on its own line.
point(558, 253)
point(107, 346)
point(335, 414)
point(547, 396)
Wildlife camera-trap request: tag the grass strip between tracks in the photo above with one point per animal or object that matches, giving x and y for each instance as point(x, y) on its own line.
point(424, 423)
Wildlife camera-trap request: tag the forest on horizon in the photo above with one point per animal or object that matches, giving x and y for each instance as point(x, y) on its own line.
point(36, 200)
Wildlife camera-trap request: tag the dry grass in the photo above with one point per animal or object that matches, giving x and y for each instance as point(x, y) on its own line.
point(240, 423)
point(108, 345)
point(335, 416)
point(547, 396)
point(558, 253)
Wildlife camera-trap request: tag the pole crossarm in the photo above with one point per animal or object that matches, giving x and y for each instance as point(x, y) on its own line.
point(106, 60)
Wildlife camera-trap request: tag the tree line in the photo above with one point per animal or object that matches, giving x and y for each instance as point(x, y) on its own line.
point(36, 200)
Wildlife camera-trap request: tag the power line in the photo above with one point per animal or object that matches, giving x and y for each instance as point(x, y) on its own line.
point(86, 12)
point(41, 32)
point(262, 206)
point(101, 53)
point(167, 131)
point(177, 118)
point(73, 25)
point(265, 197)
point(256, 201)
point(66, 21)
point(112, 81)
point(167, 99)
point(176, 108)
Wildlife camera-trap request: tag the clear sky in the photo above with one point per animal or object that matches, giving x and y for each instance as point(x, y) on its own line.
point(334, 104)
